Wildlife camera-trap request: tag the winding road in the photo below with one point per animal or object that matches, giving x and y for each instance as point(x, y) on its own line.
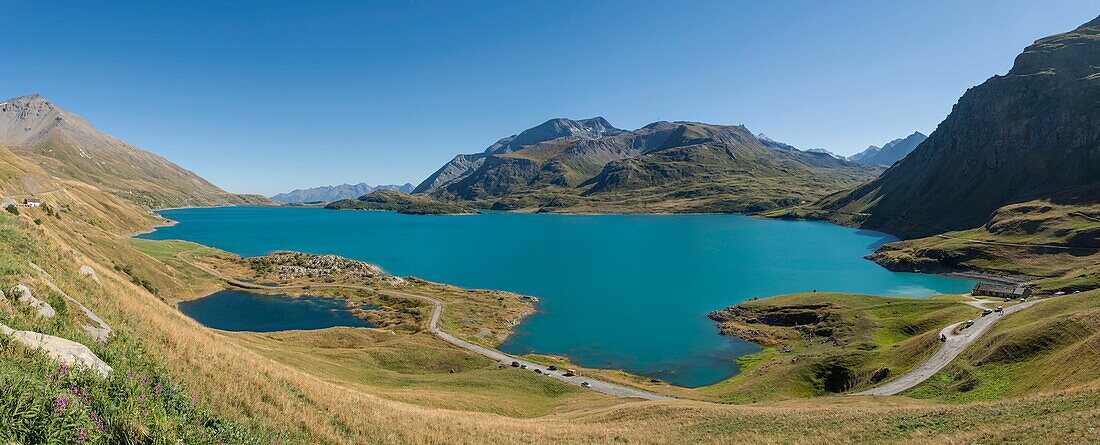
point(955, 345)
point(433, 327)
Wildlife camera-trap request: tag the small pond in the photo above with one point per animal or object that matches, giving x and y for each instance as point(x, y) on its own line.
point(236, 310)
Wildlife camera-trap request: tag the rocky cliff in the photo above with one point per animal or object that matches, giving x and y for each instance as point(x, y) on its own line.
point(1033, 133)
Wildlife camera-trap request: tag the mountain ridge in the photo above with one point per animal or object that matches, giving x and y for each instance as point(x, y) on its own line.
point(683, 166)
point(1032, 133)
point(69, 147)
point(330, 193)
point(890, 152)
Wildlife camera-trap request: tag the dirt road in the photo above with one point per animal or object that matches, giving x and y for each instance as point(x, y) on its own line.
point(951, 348)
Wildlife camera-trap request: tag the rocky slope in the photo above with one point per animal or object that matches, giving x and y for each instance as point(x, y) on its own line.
point(69, 147)
point(889, 153)
point(1033, 133)
point(336, 192)
point(465, 164)
point(588, 165)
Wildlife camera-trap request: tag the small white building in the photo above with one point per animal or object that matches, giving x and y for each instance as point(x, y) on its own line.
point(31, 202)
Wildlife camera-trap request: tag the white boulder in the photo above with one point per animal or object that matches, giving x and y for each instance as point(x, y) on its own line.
point(23, 294)
point(65, 351)
point(87, 271)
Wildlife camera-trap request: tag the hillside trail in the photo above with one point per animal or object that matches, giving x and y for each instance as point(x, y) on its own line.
point(952, 347)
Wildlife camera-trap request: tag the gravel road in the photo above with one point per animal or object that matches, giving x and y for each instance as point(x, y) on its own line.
point(951, 348)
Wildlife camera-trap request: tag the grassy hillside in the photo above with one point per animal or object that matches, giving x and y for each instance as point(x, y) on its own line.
point(1052, 346)
point(42, 402)
point(1057, 245)
point(825, 343)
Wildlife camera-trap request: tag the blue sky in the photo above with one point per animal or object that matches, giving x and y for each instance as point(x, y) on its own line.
point(265, 97)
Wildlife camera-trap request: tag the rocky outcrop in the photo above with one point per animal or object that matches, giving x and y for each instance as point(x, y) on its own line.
point(68, 352)
point(755, 323)
point(1033, 133)
point(87, 271)
point(786, 316)
point(23, 294)
point(99, 330)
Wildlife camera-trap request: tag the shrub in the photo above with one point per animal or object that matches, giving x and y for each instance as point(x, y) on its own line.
point(12, 209)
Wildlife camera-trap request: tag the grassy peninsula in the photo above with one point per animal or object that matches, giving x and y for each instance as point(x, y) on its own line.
point(401, 203)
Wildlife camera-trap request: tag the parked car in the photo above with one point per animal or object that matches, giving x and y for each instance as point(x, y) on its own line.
point(570, 373)
point(999, 309)
point(552, 368)
point(586, 384)
point(515, 364)
point(969, 323)
point(522, 366)
point(538, 371)
point(987, 312)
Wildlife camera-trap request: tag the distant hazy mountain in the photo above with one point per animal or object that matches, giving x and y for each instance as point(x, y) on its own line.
point(1031, 134)
point(890, 153)
point(589, 165)
point(336, 192)
point(69, 147)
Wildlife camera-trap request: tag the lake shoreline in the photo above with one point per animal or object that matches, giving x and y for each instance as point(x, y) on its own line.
point(541, 310)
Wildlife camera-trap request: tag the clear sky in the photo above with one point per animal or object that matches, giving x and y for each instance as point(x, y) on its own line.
point(265, 97)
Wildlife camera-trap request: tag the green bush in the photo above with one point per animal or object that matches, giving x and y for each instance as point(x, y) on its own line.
point(11, 208)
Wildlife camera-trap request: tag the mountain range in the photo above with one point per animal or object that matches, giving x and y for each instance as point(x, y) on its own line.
point(889, 153)
point(588, 165)
point(335, 192)
point(1033, 133)
point(68, 147)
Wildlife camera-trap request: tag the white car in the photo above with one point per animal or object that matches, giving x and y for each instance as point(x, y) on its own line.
point(586, 384)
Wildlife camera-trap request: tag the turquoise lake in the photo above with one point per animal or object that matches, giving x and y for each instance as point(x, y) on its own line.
point(617, 291)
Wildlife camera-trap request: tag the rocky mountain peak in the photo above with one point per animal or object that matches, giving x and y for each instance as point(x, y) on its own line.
point(28, 118)
point(1033, 133)
point(592, 128)
point(1060, 54)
